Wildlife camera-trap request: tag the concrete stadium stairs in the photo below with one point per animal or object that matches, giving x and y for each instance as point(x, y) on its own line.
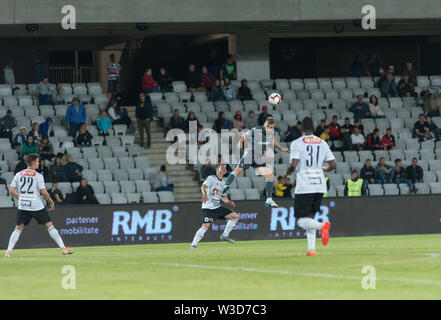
point(186, 187)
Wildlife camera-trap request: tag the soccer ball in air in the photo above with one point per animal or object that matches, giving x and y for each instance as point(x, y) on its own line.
point(274, 99)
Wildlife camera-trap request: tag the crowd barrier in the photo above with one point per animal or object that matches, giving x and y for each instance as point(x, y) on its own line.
point(177, 222)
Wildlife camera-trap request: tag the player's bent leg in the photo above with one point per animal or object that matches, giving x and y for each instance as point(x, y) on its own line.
point(232, 217)
point(13, 239)
point(199, 235)
point(57, 238)
point(237, 171)
point(269, 181)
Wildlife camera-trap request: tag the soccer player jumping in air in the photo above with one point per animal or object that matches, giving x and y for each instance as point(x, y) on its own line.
point(308, 153)
point(30, 185)
point(252, 157)
point(212, 209)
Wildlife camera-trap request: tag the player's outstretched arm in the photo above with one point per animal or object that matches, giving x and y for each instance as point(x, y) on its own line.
point(14, 192)
point(291, 167)
point(228, 201)
point(277, 145)
point(48, 199)
point(331, 166)
point(204, 193)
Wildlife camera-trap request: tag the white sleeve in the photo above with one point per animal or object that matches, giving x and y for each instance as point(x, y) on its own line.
point(294, 151)
point(40, 182)
point(14, 182)
point(208, 182)
point(329, 155)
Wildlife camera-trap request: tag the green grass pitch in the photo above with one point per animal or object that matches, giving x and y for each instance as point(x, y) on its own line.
point(407, 267)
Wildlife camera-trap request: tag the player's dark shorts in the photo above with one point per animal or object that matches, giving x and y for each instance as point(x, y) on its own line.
point(24, 217)
point(307, 204)
point(253, 163)
point(209, 215)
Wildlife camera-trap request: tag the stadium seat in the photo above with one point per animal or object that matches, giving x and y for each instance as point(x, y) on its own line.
point(166, 196)
point(252, 194)
point(435, 188)
point(103, 198)
point(104, 175)
point(111, 163)
point(237, 194)
point(120, 175)
point(133, 197)
point(422, 188)
point(118, 198)
point(111, 186)
point(375, 190)
point(391, 189)
point(149, 197)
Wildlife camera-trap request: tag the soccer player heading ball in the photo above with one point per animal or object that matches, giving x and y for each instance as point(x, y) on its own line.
point(212, 209)
point(308, 153)
point(30, 185)
point(263, 136)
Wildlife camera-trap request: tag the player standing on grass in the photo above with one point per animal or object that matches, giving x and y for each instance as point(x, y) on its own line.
point(263, 135)
point(30, 185)
point(308, 153)
point(211, 207)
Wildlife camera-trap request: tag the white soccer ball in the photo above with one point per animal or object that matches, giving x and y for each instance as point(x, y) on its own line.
point(274, 99)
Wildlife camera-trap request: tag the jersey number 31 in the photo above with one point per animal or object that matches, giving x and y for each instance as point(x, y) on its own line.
point(310, 150)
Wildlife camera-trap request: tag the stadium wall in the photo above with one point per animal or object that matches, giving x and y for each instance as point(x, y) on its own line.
point(177, 222)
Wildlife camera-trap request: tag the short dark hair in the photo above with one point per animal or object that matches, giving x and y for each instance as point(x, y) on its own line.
point(397, 160)
point(367, 160)
point(308, 124)
point(31, 158)
point(163, 168)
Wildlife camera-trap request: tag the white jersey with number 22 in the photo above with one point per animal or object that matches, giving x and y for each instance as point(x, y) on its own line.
point(28, 184)
point(312, 152)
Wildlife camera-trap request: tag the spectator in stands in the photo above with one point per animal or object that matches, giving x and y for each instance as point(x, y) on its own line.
point(149, 83)
point(382, 75)
point(207, 170)
point(55, 194)
point(279, 187)
point(144, 114)
point(193, 80)
point(30, 146)
point(222, 123)
point(384, 172)
point(57, 170)
point(356, 68)
point(358, 124)
point(391, 70)
point(325, 134)
point(190, 117)
point(335, 129)
point(35, 131)
point(400, 174)
point(293, 132)
point(373, 66)
point(348, 126)
point(113, 71)
point(72, 169)
point(217, 93)
point(405, 87)
point(21, 165)
point(58, 95)
point(434, 131)
point(214, 64)
point(290, 186)
point(176, 121)
point(388, 140)
point(373, 140)
point(104, 124)
point(244, 93)
point(229, 90)
point(360, 108)
point(415, 173)
point(8, 73)
point(389, 88)
point(358, 141)
point(85, 193)
point(45, 126)
point(208, 80)
point(164, 80)
point(430, 102)
point(75, 116)
point(411, 72)
point(367, 173)
point(43, 91)
point(162, 181)
point(39, 69)
point(320, 128)
point(263, 115)
point(46, 150)
point(8, 123)
point(84, 138)
point(20, 138)
point(251, 121)
point(43, 170)
point(229, 69)
point(375, 108)
point(345, 137)
point(238, 122)
point(122, 117)
point(355, 186)
point(421, 129)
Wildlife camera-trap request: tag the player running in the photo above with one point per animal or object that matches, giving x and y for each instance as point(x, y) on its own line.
point(263, 135)
point(30, 185)
point(211, 207)
point(308, 153)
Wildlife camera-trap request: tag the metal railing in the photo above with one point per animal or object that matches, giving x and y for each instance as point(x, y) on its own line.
point(69, 74)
